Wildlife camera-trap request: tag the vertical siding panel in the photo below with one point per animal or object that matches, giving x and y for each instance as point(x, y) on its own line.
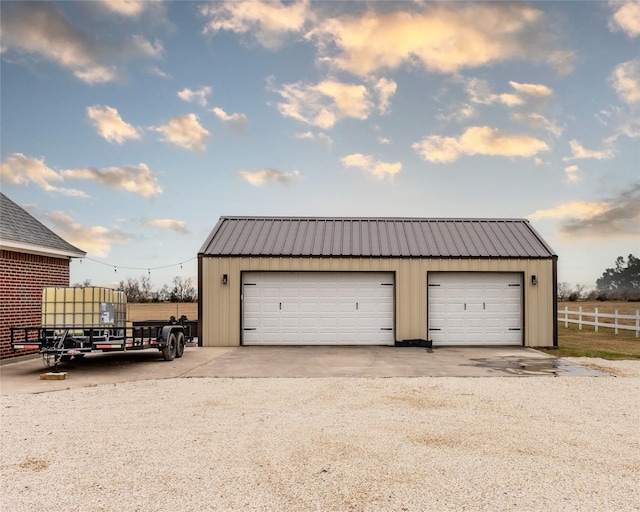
point(207, 306)
point(530, 305)
point(231, 295)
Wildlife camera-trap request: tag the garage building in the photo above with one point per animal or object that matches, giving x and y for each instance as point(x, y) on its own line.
point(376, 281)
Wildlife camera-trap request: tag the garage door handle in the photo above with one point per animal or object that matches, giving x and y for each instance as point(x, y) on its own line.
point(465, 306)
point(250, 329)
point(356, 305)
point(386, 328)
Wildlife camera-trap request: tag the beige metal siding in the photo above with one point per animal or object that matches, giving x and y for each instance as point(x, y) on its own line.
point(221, 306)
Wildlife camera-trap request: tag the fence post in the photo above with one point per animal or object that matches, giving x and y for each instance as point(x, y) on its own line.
point(566, 317)
point(596, 319)
point(580, 318)
point(615, 321)
point(637, 323)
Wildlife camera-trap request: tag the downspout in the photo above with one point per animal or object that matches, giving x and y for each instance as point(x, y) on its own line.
point(200, 300)
point(555, 301)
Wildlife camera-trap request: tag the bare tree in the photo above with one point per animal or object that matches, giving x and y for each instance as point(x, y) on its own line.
point(564, 290)
point(183, 290)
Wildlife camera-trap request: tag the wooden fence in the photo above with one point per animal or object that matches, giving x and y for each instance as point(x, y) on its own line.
point(137, 311)
point(577, 317)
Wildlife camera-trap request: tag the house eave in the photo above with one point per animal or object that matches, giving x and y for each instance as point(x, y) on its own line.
point(23, 247)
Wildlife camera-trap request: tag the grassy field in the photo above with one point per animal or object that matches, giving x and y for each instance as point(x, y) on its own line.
point(604, 343)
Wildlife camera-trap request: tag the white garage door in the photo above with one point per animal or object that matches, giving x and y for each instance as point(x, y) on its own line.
point(475, 308)
point(317, 308)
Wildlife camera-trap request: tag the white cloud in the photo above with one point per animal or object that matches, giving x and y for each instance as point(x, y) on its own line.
point(442, 37)
point(618, 216)
point(170, 224)
point(377, 169)
point(95, 240)
point(110, 125)
point(138, 179)
point(324, 103)
point(155, 70)
point(572, 209)
point(198, 96)
point(458, 113)
point(532, 95)
point(626, 17)
point(56, 40)
point(537, 121)
point(386, 89)
point(236, 122)
point(321, 138)
point(384, 140)
point(142, 47)
point(18, 169)
point(185, 132)
point(625, 79)
point(571, 173)
point(625, 121)
point(127, 8)
point(96, 74)
point(41, 29)
point(478, 140)
point(269, 22)
point(538, 91)
point(263, 176)
point(578, 152)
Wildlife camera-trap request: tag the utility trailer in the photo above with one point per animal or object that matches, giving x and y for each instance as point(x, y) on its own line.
point(62, 343)
point(77, 321)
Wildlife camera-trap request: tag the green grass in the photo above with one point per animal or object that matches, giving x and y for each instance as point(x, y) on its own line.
point(588, 343)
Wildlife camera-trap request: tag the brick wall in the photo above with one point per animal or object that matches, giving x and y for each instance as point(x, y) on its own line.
point(22, 277)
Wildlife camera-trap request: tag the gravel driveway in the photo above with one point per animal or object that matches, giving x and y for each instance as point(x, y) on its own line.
point(536, 443)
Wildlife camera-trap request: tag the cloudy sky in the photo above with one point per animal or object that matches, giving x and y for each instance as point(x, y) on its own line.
point(130, 127)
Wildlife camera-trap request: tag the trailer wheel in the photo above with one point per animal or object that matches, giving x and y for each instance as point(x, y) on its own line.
point(65, 358)
point(169, 352)
point(180, 344)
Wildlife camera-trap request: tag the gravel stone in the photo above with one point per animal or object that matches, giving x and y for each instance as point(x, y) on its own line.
point(343, 444)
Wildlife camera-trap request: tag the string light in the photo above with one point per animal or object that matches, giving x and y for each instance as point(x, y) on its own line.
point(148, 269)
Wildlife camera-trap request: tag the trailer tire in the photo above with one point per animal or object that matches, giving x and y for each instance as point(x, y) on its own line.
point(65, 358)
point(169, 352)
point(180, 344)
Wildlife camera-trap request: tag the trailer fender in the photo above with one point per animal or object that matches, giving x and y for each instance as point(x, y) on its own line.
point(166, 331)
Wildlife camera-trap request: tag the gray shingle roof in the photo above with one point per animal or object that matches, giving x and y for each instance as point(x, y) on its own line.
point(382, 237)
point(18, 226)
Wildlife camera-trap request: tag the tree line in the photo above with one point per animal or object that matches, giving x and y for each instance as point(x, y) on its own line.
point(141, 290)
point(620, 282)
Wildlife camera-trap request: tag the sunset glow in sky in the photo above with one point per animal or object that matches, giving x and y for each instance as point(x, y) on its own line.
point(130, 127)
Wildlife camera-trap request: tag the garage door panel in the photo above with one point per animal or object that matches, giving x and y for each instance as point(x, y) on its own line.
point(318, 308)
point(475, 308)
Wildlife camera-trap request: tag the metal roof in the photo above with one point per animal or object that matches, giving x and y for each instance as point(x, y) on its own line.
point(20, 231)
point(375, 237)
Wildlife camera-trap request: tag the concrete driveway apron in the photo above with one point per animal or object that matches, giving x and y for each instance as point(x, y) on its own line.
point(302, 362)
